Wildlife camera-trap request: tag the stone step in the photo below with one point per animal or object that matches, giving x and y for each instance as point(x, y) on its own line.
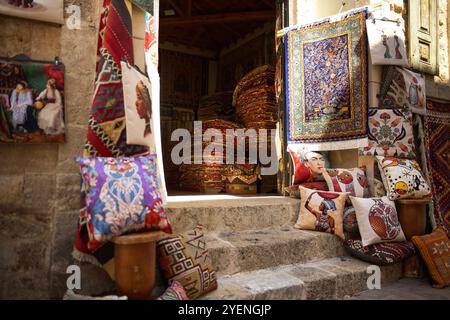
point(334, 278)
point(233, 252)
point(231, 213)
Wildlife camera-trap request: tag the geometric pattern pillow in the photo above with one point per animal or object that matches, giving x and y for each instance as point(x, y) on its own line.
point(390, 134)
point(353, 181)
point(122, 195)
point(185, 258)
point(377, 220)
point(321, 211)
point(402, 178)
point(381, 253)
point(435, 251)
point(174, 292)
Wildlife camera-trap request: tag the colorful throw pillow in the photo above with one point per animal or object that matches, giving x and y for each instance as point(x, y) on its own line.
point(185, 258)
point(321, 211)
point(377, 220)
point(353, 181)
point(122, 195)
point(381, 253)
point(294, 190)
point(435, 251)
point(307, 166)
point(402, 178)
point(376, 188)
point(174, 292)
point(390, 134)
point(349, 220)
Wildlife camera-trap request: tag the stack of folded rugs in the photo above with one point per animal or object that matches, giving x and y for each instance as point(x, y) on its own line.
point(207, 177)
point(254, 99)
point(256, 108)
point(216, 106)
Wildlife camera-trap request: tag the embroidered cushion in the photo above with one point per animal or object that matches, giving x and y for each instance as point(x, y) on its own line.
point(122, 195)
point(377, 220)
point(294, 190)
point(185, 258)
point(390, 134)
point(402, 88)
point(349, 220)
point(376, 187)
point(381, 253)
point(402, 178)
point(321, 211)
point(435, 251)
point(353, 181)
point(174, 292)
point(307, 166)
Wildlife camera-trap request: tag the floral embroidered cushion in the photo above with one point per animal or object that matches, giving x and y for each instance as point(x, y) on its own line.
point(321, 211)
point(122, 195)
point(185, 258)
point(353, 181)
point(435, 251)
point(381, 253)
point(307, 166)
point(174, 292)
point(377, 220)
point(402, 178)
point(390, 134)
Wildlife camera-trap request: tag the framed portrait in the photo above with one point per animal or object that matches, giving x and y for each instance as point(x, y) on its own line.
point(43, 10)
point(31, 102)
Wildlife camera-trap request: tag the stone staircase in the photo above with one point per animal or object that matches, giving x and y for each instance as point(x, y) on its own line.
point(259, 255)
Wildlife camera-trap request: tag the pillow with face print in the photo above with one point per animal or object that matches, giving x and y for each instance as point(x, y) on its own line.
point(307, 166)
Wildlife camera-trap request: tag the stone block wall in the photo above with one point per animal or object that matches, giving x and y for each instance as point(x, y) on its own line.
point(39, 184)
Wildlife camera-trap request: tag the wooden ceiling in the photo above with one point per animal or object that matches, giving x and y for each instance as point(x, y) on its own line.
point(212, 24)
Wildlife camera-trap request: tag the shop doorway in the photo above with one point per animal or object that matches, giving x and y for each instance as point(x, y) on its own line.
point(205, 49)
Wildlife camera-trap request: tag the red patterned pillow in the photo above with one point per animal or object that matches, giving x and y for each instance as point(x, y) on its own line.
point(381, 253)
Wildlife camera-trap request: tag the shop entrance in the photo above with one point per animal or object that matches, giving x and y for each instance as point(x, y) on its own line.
point(206, 50)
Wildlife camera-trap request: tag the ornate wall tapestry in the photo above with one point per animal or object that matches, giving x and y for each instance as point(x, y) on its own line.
point(437, 132)
point(31, 103)
point(326, 83)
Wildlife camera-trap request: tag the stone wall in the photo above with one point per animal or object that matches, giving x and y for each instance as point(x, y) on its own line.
point(39, 184)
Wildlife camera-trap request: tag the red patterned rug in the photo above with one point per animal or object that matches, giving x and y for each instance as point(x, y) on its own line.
point(437, 144)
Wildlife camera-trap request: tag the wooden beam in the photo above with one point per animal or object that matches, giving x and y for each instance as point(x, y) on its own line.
point(188, 8)
point(174, 5)
point(219, 18)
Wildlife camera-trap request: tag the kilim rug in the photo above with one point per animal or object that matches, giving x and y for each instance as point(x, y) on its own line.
point(326, 83)
point(437, 144)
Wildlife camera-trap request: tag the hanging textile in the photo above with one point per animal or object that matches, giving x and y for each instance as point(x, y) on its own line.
point(326, 83)
point(106, 135)
point(437, 145)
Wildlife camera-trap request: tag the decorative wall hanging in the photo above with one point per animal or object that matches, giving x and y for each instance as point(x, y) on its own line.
point(106, 135)
point(43, 10)
point(390, 134)
point(31, 102)
point(139, 110)
point(321, 211)
point(437, 144)
point(386, 42)
point(403, 88)
point(326, 83)
point(402, 178)
point(377, 220)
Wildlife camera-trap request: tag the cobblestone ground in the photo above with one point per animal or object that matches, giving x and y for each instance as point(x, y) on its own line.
point(406, 289)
